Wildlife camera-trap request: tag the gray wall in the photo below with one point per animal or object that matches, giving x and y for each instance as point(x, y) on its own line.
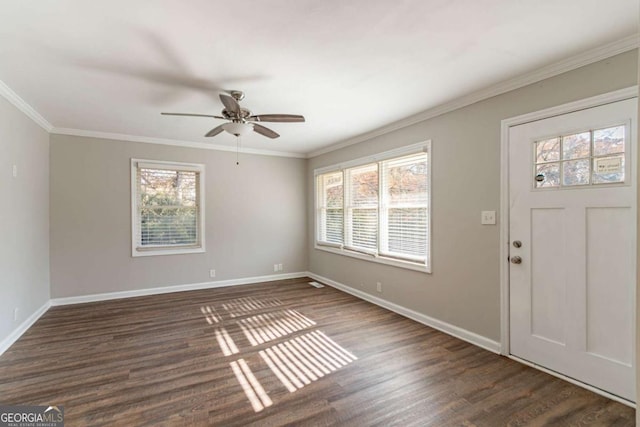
point(464, 288)
point(24, 220)
point(255, 216)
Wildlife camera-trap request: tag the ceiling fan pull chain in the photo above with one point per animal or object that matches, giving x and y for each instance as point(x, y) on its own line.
point(238, 142)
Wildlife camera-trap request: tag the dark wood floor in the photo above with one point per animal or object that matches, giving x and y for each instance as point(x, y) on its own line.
point(294, 355)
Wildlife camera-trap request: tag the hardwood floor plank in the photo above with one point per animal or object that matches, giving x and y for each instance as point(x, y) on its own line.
point(169, 360)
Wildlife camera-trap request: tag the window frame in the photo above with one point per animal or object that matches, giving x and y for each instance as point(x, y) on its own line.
point(321, 210)
point(199, 247)
point(590, 185)
point(348, 208)
point(378, 257)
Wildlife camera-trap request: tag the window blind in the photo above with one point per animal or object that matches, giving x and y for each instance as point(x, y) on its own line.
point(167, 207)
point(380, 208)
point(331, 211)
point(404, 207)
point(362, 208)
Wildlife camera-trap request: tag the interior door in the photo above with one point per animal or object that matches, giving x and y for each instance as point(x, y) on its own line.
point(572, 230)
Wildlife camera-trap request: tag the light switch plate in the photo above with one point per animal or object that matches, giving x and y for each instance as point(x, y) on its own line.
point(488, 218)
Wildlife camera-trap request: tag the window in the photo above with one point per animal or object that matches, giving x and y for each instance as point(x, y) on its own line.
point(362, 208)
point(330, 203)
point(377, 210)
point(581, 159)
point(405, 208)
point(167, 209)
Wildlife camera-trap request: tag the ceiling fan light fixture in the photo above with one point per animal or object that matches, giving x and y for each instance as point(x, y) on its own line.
point(238, 128)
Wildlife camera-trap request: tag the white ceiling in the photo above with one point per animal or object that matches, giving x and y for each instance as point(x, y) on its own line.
point(348, 66)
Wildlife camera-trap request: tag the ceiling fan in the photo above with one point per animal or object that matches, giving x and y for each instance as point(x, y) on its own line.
point(241, 121)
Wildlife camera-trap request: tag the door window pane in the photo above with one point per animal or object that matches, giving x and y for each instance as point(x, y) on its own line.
point(575, 172)
point(547, 175)
point(548, 150)
point(608, 170)
point(608, 141)
point(576, 146)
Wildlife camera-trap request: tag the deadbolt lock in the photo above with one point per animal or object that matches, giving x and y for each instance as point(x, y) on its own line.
point(517, 244)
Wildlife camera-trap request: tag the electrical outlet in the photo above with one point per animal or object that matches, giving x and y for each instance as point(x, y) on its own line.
point(212, 273)
point(279, 267)
point(15, 314)
point(275, 267)
point(15, 171)
point(379, 287)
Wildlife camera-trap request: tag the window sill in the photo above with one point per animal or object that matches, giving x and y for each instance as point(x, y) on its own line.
point(377, 259)
point(165, 251)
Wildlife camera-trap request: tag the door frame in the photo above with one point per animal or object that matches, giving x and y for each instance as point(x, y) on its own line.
point(607, 98)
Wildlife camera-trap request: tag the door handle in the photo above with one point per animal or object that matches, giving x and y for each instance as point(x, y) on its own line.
point(516, 260)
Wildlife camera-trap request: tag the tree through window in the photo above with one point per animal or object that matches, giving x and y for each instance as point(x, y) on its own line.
point(167, 208)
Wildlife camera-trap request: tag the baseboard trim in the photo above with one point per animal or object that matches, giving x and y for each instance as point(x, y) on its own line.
point(175, 288)
point(455, 331)
point(24, 326)
point(447, 328)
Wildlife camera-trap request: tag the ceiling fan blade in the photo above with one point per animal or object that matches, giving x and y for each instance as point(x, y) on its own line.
point(216, 130)
point(230, 104)
point(265, 131)
point(192, 115)
point(288, 118)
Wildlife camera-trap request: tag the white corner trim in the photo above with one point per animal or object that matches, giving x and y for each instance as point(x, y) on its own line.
point(572, 63)
point(594, 101)
point(504, 239)
point(176, 288)
point(174, 142)
point(24, 326)
point(447, 328)
point(22, 105)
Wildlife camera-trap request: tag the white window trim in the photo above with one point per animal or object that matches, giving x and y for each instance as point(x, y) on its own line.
point(163, 250)
point(377, 258)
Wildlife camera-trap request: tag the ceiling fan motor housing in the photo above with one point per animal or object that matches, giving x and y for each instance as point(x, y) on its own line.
point(244, 113)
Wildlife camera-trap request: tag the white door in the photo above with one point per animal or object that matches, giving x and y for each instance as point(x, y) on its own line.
point(572, 238)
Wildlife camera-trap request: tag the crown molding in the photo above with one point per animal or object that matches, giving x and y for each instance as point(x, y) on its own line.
point(572, 63)
point(174, 142)
point(594, 55)
point(21, 105)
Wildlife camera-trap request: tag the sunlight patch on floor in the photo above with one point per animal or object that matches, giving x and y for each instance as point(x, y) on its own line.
point(225, 342)
point(306, 358)
point(297, 353)
point(270, 326)
point(243, 306)
point(210, 314)
point(252, 388)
